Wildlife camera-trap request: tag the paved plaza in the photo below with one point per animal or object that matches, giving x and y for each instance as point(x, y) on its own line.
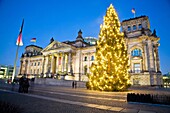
point(55, 99)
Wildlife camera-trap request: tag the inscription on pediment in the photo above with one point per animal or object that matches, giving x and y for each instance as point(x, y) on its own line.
point(57, 46)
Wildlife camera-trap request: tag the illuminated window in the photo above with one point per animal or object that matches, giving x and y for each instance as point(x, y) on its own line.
point(137, 68)
point(85, 58)
point(59, 61)
point(92, 58)
point(136, 52)
point(140, 26)
point(134, 27)
point(129, 28)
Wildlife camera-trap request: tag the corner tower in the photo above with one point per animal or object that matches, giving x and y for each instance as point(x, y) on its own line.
point(143, 52)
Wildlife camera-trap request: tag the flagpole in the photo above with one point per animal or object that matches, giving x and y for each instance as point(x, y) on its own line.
point(19, 43)
point(134, 15)
point(16, 57)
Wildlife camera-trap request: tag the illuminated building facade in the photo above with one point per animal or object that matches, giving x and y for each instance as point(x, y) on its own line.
point(6, 71)
point(70, 60)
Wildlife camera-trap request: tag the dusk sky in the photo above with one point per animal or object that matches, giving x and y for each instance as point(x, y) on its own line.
point(62, 19)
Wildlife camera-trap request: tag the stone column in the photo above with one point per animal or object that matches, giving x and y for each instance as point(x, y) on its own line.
point(69, 62)
point(146, 56)
point(52, 65)
point(131, 64)
point(57, 58)
point(80, 62)
point(43, 62)
point(89, 59)
point(26, 66)
point(66, 62)
point(153, 57)
point(46, 65)
point(21, 63)
point(157, 59)
point(60, 60)
point(63, 62)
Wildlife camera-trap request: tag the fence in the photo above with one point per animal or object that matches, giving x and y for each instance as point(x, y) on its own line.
point(148, 98)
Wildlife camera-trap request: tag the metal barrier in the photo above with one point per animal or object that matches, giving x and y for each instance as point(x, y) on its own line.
point(148, 98)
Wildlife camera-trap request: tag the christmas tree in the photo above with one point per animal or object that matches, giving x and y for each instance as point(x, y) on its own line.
point(109, 71)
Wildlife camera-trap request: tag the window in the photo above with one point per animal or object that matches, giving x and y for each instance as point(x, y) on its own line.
point(137, 68)
point(134, 27)
point(92, 58)
point(59, 61)
point(85, 69)
point(140, 26)
point(136, 52)
point(85, 58)
point(35, 64)
point(38, 63)
point(31, 71)
point(129, 28)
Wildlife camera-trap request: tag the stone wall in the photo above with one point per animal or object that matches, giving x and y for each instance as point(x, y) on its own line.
point(50, 81)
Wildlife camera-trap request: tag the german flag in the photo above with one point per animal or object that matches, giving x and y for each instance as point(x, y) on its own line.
point(19, 40)
point(33, 40)
point(133, 10)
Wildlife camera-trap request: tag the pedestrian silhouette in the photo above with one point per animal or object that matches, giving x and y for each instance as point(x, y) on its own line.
point(73, 84)
point(23, 85)
point(20, 90)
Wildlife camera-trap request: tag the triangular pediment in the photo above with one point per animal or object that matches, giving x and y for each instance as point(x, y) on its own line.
point(56, 45)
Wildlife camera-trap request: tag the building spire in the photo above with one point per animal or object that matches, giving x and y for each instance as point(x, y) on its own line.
point(79, 37)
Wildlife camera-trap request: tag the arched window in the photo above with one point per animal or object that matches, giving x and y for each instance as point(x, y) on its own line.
point(92, 58)
point(85, 58)
point(136, 52)
point(140, 26)
point(129, 28)
point(134, 27)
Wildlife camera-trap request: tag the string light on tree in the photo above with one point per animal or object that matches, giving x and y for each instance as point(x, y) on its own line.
point(109, 72)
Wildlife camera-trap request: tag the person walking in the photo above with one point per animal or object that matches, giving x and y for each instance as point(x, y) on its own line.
point(20, 90)
point(26, 85)
point(73, 84)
